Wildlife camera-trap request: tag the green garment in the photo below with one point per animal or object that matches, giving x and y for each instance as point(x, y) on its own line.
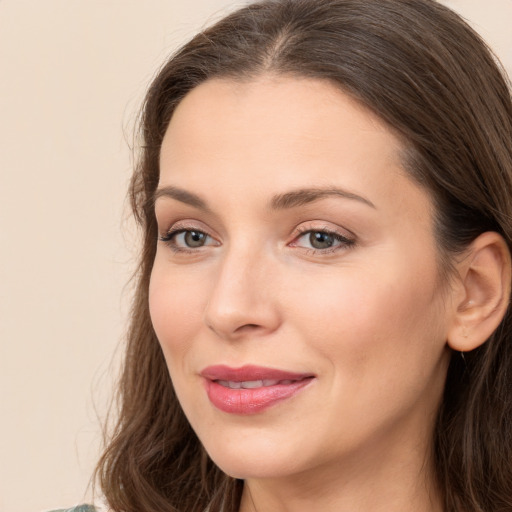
point(80, 508)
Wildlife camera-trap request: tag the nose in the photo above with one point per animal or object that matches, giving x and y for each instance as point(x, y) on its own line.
point(243, 300)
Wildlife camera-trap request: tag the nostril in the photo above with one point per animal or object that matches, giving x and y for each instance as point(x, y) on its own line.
point(248, 326)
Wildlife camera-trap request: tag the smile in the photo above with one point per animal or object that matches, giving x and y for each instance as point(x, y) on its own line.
point(252, 384)
point(251, 389)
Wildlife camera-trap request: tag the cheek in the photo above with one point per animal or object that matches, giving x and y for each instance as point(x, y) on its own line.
point(362, 312)
point(380, 341)
point(175, 307)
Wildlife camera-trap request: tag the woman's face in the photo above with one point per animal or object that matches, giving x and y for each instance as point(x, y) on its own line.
point(295, 290)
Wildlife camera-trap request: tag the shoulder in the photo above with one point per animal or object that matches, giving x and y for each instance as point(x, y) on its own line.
point(79, 508)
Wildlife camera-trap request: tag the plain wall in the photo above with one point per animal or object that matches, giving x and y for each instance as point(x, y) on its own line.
point(72, 75)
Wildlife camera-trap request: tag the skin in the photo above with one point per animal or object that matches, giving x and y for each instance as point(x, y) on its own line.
point(369, 318)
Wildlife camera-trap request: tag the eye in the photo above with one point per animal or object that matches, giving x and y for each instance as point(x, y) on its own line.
point(191, 238)
point(322, 240)
point(187, 239)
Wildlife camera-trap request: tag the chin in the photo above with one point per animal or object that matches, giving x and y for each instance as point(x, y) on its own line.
point(255, 457)
point(243, 469)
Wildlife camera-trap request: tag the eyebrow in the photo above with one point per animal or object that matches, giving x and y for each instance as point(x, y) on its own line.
point(181, 195)
point(283, 201)
point(308, 195)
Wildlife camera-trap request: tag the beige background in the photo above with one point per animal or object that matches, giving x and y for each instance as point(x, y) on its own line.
point(72, 74)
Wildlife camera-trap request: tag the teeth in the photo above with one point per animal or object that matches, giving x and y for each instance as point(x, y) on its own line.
point(230, 384)
point(251, 384)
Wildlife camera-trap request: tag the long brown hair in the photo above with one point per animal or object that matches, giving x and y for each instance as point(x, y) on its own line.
point(426, 73)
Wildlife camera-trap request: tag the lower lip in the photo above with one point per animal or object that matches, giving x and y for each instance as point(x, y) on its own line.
point(251, 401)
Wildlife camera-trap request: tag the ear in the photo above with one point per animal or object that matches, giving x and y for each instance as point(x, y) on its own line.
point(485, 275)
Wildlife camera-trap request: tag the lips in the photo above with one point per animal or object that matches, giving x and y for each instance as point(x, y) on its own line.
point(251, 389)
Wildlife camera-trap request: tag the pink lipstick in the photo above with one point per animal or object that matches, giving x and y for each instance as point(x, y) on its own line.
point(251, 389)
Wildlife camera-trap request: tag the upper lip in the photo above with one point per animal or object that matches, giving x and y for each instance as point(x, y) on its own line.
point(249, 373)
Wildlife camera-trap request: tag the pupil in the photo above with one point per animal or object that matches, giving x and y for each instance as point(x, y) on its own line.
point(320, 240)
point(194, 238)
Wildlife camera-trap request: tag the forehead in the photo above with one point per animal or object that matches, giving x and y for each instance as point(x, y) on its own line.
point(283, 109)
point(285, 131)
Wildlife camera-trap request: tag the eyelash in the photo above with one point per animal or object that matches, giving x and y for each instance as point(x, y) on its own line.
point(344, 242)
point(170, 239)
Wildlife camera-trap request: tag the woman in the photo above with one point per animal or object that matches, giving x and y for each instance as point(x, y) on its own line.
point(321, 319)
